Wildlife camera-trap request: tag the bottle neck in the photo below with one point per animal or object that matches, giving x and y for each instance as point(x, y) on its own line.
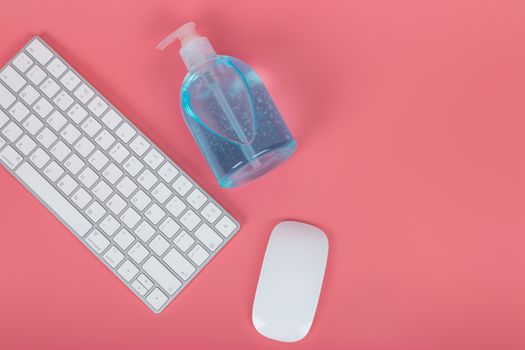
point(196, 52)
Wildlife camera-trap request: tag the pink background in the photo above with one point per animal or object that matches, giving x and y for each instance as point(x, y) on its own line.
point(409, 116)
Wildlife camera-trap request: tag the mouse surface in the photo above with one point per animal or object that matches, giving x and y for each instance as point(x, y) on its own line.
point(290, 281)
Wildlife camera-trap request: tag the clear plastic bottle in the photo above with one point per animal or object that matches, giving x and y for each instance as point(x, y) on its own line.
point(229, 112)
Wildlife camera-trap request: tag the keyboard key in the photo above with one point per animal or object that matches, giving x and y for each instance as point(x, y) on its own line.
point(175, 206)
point(11, 77)
point(133, 166)
point(49, 87)
point(139, 145)
point(147, 179)
point(198, 254)
point(159, 244)
point(167, 172)
point(105, 139)
point(32, 124)
point(3, 118)
point(225, 226)
point(60, 151)
point(97, 241)
point(184, 241)
point(111, 119)
point(161, 193)
point(53, 199)
point(95, 211)
point(29, 94)
point(146, 282)
point(153, 158)
point(125, 132)
point(74, 164)
point(63, 100)
point(36, 75)
point(140, 200)
point(98, 160)
point(6, 97)
point(2, 142)
point(70, 80)
point(26, 145)
point(119, 152)
point(138, 252)
point(155, 213)
point(190, 220)
point(91, 126)
point(211, 212)
point(124, 239)
point(112, 173)
point(39, 51)
point(113, 256)
point(88, 177)
point(208, 237)
point(12, 132)
point(39, 158)
point(42, 107)
point(161, 275)
point(67, 184)
point(109, 225)
point(102, 190)
point(169, 227)
point(70, 133)
point(126, 186)
point(196, 198)
point(144, 231)
point(156, 299)
point(22, 62)
point(116, 204)
point(98, 106)
point(84, 93)
point(130, 217)
point(46, 137)
point(127, 270)
point(84, 147)
point(139, 287)
point(81, 198)
point(77, 113)
point(53, 171)
point(10, 157)
point(56, 67)
point(179, 264)
point(19, 111)
point(56, 120)
point(182, 185)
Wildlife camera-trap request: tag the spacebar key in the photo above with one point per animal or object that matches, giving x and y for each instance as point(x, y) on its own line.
point(53, 199)
point(162, 275)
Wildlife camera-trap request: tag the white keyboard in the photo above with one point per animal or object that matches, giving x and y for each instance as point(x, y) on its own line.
point(137, 211)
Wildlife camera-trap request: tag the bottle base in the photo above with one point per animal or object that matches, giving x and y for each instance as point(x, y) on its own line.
point(259, 166)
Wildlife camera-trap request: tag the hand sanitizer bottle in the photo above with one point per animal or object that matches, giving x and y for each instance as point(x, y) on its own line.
point(229, 112)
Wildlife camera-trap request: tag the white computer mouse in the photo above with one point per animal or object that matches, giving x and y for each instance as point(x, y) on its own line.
point(290, 281)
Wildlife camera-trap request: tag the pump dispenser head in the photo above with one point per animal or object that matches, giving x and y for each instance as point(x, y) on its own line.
point(195, 49)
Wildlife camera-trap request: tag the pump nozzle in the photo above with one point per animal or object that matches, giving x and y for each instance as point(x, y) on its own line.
point(183, 33)
point(195, 49)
